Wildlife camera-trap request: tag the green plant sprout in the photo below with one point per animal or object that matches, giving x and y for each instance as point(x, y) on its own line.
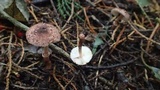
point(156, 71)
point(141, 4)
point(98, 39)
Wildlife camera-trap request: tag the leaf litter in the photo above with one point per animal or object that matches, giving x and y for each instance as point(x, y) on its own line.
point(126, 53)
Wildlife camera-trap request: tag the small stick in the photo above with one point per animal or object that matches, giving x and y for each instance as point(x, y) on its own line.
point(26, 70)
point(22, 52)
point(114, 32)
point(33, 14)
point(55, 11)
point(55, 78)
point(59, 50)
point(99, 64)
point(9, 63)
point(88, 22)
point(151, 36)
point(134, 28)
point(117, 40)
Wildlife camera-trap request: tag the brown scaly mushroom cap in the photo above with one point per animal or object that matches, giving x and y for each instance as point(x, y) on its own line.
point(117, 11)
point(42, 34)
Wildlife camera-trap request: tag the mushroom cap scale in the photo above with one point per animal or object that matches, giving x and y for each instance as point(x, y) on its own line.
point(42, 34)
point(86, 55)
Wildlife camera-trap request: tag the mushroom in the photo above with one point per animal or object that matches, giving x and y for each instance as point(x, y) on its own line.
point(42, 35)
point(123, 13)
point(81, 55)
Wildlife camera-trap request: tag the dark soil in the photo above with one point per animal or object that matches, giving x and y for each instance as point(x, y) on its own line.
point(117, 63)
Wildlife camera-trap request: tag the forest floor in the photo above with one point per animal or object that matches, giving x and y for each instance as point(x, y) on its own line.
point(125, 47)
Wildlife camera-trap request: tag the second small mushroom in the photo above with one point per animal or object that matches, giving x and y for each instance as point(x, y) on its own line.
point(42, 35)
point(81, 55)
point(121, 13)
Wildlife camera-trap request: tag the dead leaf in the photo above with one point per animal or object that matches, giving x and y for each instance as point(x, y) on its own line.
point(15, 8)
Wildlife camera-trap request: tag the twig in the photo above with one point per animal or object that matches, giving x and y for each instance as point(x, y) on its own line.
point(55, 11)
point(7, 44)
point(59, 50)
point(25, 88)
point(88, 22)
point(65, 36)
point(100, 60)
point(3, 39)
point(56, 24)
point(142, 58)
point(140, 26)
point(108, 67)
point(33, 14)
point(118, 39)
point(69, 65)
point(54, 76)
point(145, 13)
point(22, 52)
point(26, 70)
point(115, 3)
point(152, 34)
point(136, 17)
point(134, 28)
point(32, 64)
point(114, 32)
point(9, 63)
point(126, 37)
point(70, 82)
point(89, 1)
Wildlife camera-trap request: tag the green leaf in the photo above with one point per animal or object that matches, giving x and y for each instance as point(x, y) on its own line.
point(156, 72)
point(5, 3)
point(98, 41)
point(21, 5)
point(143, 3)
point(17, 9)
point(158, 20)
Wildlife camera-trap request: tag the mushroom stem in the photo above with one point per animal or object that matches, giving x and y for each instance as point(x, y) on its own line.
point(46, 58)
point(119, 17)
point(80, 42)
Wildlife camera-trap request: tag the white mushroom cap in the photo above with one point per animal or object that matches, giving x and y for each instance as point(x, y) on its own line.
point(117, 11)
point(42, 34)
point(86, 55)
